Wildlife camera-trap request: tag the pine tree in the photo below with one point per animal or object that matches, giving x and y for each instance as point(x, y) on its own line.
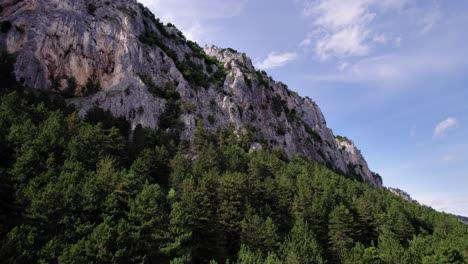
point(341, 228)
point(178, 246)
point(301, 247)
point(229, 212)
point(259, 234)
point(365, 222)
point(147, 214)
point(390, 249)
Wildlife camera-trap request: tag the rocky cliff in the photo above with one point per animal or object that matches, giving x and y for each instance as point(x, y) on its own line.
point(404, 195)
point(116, 55)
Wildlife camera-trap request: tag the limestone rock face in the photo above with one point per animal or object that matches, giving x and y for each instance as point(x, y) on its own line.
point(404, 195)
point(117, 42)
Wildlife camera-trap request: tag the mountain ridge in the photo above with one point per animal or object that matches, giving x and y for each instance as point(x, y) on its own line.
point(119, 57)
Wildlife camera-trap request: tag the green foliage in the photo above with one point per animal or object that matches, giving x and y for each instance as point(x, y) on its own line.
point(341, 229)
point(232, 50)
point(150, 38)
point(192, 71)
point(278, 104)
point(247, 256)
point(390, 249)
point(342, 138)
point(263, 79)
point(168, 91)
point(92, 86)
point(98, 115)
point(281, 106)
point(280, 130)
point(196, 49)
point(70, 90)
point(259, 234)
point(188, 107)
point(128, 12)
point(170, 117)
point(314, 135)
point(211, 118)
point(85, 191)
point(301, 246)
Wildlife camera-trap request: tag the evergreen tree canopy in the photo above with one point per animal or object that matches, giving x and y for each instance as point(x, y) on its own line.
point(85, 191)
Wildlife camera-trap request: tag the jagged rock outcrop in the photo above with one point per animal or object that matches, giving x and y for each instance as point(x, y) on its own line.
point(404, 195)
point(64, 45)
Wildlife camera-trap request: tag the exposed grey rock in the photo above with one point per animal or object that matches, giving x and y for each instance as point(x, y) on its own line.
point(255, 146)
point(59, 39)
point(462, 219)
point(404, 195)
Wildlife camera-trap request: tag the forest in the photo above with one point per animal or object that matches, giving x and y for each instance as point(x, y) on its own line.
point(91, 190)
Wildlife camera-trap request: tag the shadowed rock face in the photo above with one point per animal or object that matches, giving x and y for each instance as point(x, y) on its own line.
point(115, 42)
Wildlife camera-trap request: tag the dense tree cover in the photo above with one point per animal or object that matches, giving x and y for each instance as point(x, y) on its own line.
point(92, 191)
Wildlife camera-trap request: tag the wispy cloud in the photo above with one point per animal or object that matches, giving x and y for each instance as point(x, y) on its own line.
point(276, 60)
point(200, 9)
point(193, 17)
point(394, 70)
point(445, 125)
point(455, 204)
point(429, 19)
point(438, 53)
point(344, 28)
point(448, 157)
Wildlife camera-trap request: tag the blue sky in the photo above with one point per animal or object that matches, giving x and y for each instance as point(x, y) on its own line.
point(389, 74)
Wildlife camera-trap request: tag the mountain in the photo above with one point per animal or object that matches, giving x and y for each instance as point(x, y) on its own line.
point(117, 56)
point(464, 219)
point(123, 142)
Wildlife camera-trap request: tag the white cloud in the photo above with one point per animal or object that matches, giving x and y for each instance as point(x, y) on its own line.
point(455, 204)
point(443, 126)
point(398, 42)
point(336, 14)
point(342, 66)
point(433, 55)
point(198, 32)
point(193, 16)
point(344, 28)
point(393, 4)
point(344, 43)
point(448, 158)
point(308, 39)
point(379, 38)
point(191, 9)
point(429, 19)
point(395, 70)
point(276, 60)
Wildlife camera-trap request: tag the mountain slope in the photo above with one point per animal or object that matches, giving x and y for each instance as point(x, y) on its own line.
point(92, 190)
point(116, 55)
point(464, 219)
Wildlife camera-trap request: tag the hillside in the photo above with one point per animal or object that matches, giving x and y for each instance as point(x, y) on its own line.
point(80, 191)
point(123, 142)
point(464, 219)
point(117, 56)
